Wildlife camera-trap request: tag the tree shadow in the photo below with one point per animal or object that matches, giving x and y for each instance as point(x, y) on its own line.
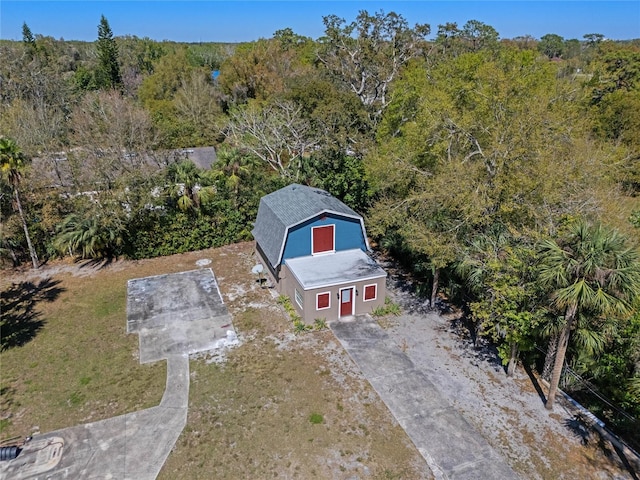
point(534, 382)
point(583, 429)
point(96, 263)
point(477, 348)
point(20, 321)
point(578, 428)
point(627, 464)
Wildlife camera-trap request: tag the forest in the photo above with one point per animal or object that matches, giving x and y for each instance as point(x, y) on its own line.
point(502, 173)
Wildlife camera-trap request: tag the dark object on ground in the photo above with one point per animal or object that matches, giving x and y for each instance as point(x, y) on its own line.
point(9, 453)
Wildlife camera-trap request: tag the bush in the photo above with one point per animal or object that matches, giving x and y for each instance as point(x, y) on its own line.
point(389, 308)
point(320, 323)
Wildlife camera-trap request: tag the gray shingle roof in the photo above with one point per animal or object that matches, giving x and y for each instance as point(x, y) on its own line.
point(290, 206)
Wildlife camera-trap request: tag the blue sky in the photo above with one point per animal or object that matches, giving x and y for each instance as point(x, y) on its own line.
point(237, 20)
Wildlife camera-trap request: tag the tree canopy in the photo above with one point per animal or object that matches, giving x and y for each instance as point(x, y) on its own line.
point(472, 157)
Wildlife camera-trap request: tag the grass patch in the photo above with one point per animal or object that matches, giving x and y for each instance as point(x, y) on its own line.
point(316, 418)
point(389, 308)
point(80, 365)
point(5, 423)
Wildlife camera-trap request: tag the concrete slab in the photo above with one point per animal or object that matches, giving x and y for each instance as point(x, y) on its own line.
point(176, 313)
point(451, 446)
point(132, 446)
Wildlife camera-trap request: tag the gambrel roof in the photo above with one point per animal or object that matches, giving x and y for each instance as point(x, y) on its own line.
point(292, 205)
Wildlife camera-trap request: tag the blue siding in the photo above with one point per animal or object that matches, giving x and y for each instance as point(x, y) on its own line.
point(348, 235)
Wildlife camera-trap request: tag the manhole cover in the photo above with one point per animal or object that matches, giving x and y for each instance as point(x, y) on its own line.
point(202, 262)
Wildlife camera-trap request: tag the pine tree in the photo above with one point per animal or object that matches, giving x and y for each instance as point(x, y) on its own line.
point(28, 40)
point(108, 73)
point(27, 36)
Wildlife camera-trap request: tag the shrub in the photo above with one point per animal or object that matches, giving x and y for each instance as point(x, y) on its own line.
point(389, 308)
point(300, 327)
point(320, 323)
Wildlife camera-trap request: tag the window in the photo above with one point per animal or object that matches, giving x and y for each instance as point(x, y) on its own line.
point(323, 300)
point(370, 292)
point(299, 299)
point(322, 239)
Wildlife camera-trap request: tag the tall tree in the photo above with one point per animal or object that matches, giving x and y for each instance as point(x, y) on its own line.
point(277, 133)
point(499, 271)
point(116, 136)
point(108, 72)
point(11, 164)
point(551, 45)
point(28, 40)
point(592, 272)
point(368, 53)
point(473, 36)
point(258, 70)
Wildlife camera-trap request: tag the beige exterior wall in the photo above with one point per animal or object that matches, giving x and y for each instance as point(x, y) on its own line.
point(308, 312)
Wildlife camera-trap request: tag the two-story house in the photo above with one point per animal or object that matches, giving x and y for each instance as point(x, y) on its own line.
point(314, 250)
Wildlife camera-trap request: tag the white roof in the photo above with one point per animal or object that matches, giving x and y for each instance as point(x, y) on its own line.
point(326, 270)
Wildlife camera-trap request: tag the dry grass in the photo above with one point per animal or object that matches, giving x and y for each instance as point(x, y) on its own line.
point(248, 418)
point(251, 416)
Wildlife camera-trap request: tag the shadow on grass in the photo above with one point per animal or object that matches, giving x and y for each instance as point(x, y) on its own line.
point(583, 430)
point(20, 321)
point(633, 470)
point(578, 428)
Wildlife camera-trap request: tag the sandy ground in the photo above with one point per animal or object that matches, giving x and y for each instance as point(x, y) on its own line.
point(508, 412)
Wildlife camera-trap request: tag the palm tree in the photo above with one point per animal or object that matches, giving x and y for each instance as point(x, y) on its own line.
point(11, 163)
point(591, 273)
point(232, 165)
point(93, 236)
point(186, 184)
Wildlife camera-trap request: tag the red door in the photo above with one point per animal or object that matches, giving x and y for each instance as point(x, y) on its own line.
point(346, 301)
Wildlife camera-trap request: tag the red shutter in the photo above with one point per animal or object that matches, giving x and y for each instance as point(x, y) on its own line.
point(370, 292)
point(322, 239)
point(322, 301)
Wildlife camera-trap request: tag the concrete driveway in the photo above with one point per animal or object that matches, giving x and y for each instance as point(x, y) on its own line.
point(174, 315)
point(451, 446)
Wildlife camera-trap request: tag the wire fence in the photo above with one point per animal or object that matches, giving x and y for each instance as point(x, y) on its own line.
point(615, 418)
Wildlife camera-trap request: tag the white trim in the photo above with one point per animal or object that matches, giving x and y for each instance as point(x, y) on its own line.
point(319, 214)
point(299, 298)
point(364, 292)
point(323, 293)
point(330, 285)
point(324, 252)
